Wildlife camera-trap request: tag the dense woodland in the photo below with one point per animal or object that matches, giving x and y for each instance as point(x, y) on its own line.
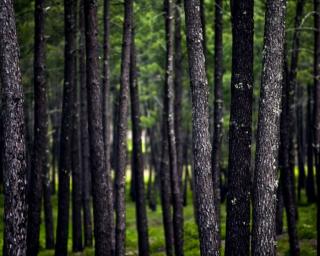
point(174, 127)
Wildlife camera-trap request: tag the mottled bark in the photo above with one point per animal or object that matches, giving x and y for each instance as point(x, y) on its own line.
point(14, 148)
point(84, 134)
point(203, 185)
point(40, 145)
point(102, 233)
point(265, 176)
point(65, 162)
point(239, 173)
point(121, 153)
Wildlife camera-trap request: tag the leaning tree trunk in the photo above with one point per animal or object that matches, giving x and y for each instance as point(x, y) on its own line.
point(239, 174)
point(169, 117)
point(102, 233)
point(268, 136)
point(121, 152)
point(203, 185)
point(84, 134)
point(65, 163)
point(40, 145)
point(14, 150)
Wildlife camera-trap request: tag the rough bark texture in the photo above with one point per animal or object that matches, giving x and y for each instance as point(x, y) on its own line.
point(177, 202)
point(138, 166)
point(265, 175)
point(84, 134)
point(121, 154)
point(65, 163)
point(40, 145)
point(203, 187)
point(103, 243)
point(239, 173)
point(14, 154)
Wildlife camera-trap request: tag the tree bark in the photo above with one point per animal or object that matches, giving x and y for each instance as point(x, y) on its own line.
point(48, 213)
point(203, 185)
point(265, 176)
point(65, 162)
point(239, 173)
point(14, 155)
point(102, 233)
point(123, 128)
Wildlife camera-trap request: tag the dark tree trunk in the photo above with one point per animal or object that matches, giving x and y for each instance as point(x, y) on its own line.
point(310, 187)
point(265, 175)
point(218, 105)
point(76, 174)
point(106, 115)
point(316, 111)
point(48, 214)
point(102, 231)
point(279, 209)
point(138, 166)
point(14, 155)
point(40, 145)
point(65, 163)
point(85, 154)
point(203, 185)
point(121, 152)
point(239, 173)
point(170, 119)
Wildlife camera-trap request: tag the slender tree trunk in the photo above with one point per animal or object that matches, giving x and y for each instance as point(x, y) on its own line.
point(279, 209)
point(265, 176)
point(203, 185)
point(316, 111)
point(170, 118)
point(239, 173)
point(121, 152)
point(65, 163)
point(85, 153)
point(48, 214)
point(138, 166)
point(102, 233)
point(14, 155)
point(40, 145)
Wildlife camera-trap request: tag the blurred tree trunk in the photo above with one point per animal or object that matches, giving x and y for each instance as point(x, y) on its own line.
point(14, 151)
point(203, 185)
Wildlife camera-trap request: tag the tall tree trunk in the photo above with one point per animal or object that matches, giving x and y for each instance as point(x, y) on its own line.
point(316, 111)
point(48, 212)
point(203, 185)
point(218, 105)
point(102, 231)
point(279, 209)
point(65, 162)
point(40, 145)
point(169, 117)
point(14, 155)
point(265, 176)
point(310, 187)
point(138, 167)
point(121, 152)
point(239, 173)
point(85, 153)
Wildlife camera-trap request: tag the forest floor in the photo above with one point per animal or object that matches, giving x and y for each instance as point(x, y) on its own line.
point(306, 230)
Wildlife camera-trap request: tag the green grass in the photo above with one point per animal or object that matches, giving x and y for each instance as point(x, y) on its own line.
point(306, 231)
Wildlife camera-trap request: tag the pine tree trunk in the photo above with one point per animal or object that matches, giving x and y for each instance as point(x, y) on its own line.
point(48, 213)
point(65, 163)
point(121, 153)
point(203, 185)
point(265, 175)
point(239, 173)
point(14, 150)
point(102, 232)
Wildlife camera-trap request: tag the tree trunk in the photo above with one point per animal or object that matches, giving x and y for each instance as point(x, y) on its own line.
point(279, 210)
point(203, 185)
point(265, 176)
point(40, 145)
point(121, 152)
point(102, 231)
point(14, 155)
point(48, 214)
point(239, 173)
point(65, 163)
point(85, 153)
